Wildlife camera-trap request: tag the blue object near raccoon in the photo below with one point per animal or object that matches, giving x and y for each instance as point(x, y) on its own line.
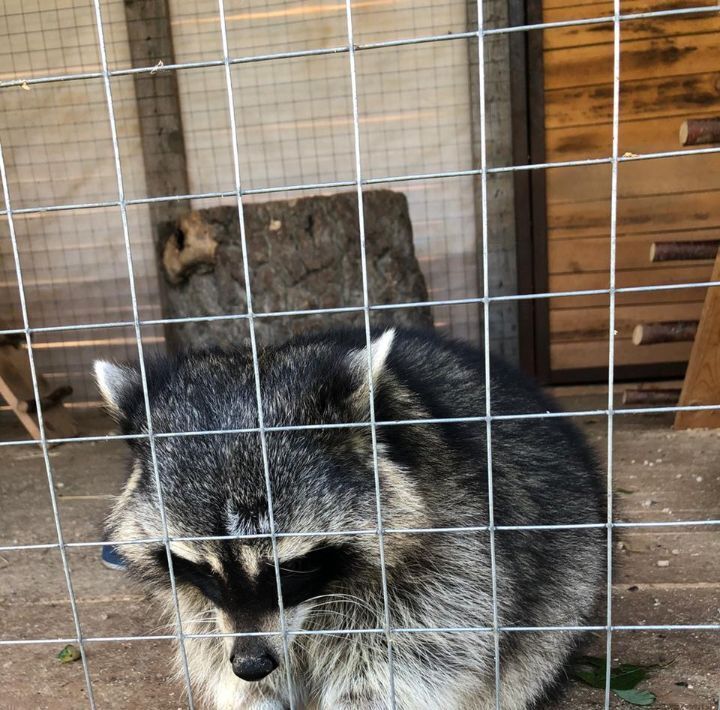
point(323, 481)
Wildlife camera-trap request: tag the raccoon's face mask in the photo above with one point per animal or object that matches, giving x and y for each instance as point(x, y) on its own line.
point(240, 585)
point(215, 486)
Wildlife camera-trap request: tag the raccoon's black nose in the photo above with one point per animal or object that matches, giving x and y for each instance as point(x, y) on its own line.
point(253, 667)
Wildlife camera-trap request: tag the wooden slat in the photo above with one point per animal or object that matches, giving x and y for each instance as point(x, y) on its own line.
point(631, 30)
point(692, 173)
point(594, 141)
point(572, 7)
point(634, 277)
point(582, 324)
point(702, 380)
point(594, 353)
point(694, 95)
point(636, 215)
point(661, 56)
point(593, 254)
point(683, 295)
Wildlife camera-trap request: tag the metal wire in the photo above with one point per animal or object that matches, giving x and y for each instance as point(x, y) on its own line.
point(43, 434)
point(350, 425)
point(358, 183)
point(486, 342)
point(373, 531)
point(611, 341)
point(387, 625)
point(357, 309)
point(396, 630)
point(138, 337)
point(412, 177)
point(253, 346)
point(447, 37)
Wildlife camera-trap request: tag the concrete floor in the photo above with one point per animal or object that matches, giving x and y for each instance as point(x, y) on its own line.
point(659, 475)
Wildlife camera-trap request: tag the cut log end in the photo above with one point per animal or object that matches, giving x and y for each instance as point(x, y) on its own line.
point(700, 131)
point(637, 335)
point(684, 133)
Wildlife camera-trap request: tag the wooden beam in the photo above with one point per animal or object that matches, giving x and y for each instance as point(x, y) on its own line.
point(702, 380)
point(16, 388)
point(502, 216)
point(161, 129)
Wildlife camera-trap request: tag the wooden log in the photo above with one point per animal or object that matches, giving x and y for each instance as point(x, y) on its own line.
point(684, 251)
point(678, 331)
point(700, 131)
point(651, 396)
point(702, 380)
point(304, 255)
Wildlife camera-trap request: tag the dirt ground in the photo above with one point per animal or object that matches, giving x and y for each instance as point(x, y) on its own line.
point(663, 575)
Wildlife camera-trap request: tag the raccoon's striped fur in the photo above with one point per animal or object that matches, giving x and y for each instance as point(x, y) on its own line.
point(431, 476)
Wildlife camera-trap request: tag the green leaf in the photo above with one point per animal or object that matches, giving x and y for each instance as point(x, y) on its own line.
point(626, 676)
point(636, 697)
point(590, 670)
point(623, 678)
point(592, 661)
point(69, 654)
point(592, 678)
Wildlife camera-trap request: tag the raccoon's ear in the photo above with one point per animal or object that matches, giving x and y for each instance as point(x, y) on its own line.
point(118, 384)
point(380, 349)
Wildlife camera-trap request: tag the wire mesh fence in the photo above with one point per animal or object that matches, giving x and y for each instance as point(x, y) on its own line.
point(101, 78)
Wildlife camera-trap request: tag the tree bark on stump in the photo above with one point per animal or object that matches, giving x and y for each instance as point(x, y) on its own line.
point(304, 254)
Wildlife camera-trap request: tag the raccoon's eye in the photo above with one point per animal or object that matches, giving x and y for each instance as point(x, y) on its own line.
point(298, 565)
point(308, 575)
point(199, 575)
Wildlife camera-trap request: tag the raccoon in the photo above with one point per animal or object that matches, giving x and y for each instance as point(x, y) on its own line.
point(335, 650)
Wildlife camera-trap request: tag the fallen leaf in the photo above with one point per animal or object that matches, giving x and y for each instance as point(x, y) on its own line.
point(636, 697)
point(69, 654)
point(592, 670)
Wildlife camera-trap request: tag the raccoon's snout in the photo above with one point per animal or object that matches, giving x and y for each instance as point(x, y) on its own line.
point(252, 661)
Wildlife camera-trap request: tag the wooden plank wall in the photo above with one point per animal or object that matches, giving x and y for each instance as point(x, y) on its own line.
point(58, 150)
point(670, 71)
point(294, 126)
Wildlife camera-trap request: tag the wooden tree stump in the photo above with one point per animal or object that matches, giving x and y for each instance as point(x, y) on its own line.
point(304, 254)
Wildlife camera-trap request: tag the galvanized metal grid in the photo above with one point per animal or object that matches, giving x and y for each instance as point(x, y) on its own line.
point(122, 203)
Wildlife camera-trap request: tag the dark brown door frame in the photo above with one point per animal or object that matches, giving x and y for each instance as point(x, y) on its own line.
point(528, 111)
point(528, 129)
